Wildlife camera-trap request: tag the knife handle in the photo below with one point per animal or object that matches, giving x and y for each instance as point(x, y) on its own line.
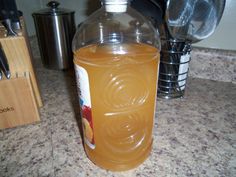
point(0, 75)
point(8, 25)
point(9, 16)
point(11, 8)
point(4, 64)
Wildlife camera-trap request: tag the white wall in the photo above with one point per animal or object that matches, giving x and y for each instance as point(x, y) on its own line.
point(223, 38)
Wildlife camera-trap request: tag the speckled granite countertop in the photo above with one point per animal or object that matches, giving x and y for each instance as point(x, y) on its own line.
point(193, 136)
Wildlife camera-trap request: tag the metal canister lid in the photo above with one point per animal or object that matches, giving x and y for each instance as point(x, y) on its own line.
point(53, 10)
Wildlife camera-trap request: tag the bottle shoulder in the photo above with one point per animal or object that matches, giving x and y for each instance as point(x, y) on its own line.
point(105, 27)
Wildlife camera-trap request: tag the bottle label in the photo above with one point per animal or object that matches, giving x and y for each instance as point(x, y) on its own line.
point(85, 105)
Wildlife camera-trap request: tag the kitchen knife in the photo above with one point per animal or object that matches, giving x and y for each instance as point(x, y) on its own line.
point(8, 25)
point(6, 16)
point(0, 74)
point(4, 64)
point(11, 8)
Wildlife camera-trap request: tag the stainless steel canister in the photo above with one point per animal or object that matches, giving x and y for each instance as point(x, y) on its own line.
point(55, 28)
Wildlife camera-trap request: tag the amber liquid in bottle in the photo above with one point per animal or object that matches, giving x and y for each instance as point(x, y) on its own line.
point(123, 94)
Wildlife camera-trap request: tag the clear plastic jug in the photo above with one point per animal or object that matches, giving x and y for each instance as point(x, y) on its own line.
point(116, 58)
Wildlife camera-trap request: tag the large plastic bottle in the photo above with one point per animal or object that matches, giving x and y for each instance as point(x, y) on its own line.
point(116, 58)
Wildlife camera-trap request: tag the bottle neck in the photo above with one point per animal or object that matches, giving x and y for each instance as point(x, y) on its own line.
point(115, 6)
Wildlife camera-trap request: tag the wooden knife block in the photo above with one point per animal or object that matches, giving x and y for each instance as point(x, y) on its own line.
point(20, 98)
